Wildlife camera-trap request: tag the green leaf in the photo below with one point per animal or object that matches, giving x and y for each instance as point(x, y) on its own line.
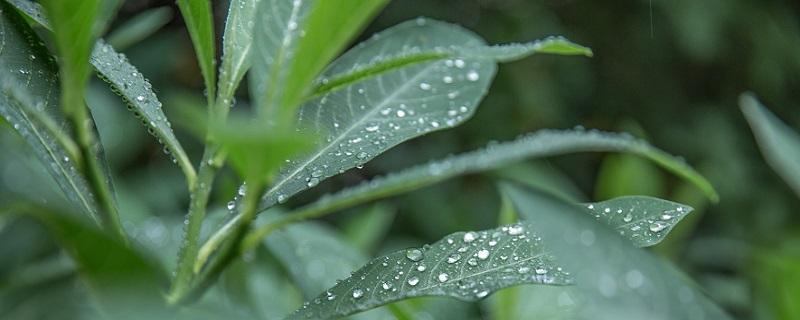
point(140, 27)
point(643, 220)
point(237, 42)
point(330, 26)
point(615, 280)
point(29, 102)
point(74, 22)
point(464, 265)
point(367, 228)
point(126, 81)
point(101, 259)
point(397, 86)
point(540, 144)
point(778, 142)
point(294, 41)
point(200, 23)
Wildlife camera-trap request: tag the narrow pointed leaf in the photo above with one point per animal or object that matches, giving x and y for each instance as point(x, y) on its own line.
point(778, 142)
point(397, 86)
point(237, 42)
point(139, 27)
point(200, 23)
point(643, 220)
point(464, 265)
point(540, 144)
point(615, 279)
point(126, 81)
point(29, 102)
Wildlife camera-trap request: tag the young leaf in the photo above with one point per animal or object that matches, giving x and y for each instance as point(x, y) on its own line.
point(616, 280)
point(29, 102)
point(397, 86)
point(75, 23)
point(464, 265)
point(779, 143)
point(643, 220)
point(236, 44)
point(130, 84)
point(200, 23)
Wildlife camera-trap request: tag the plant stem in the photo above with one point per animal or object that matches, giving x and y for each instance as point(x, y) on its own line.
point(229, 251)
point(88, 147)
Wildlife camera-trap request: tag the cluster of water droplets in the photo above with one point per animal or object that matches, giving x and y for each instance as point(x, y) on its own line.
point(127, 82)
point(464, 265)
point(641, 220)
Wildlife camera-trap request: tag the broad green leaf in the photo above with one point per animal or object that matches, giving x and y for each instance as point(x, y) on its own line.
point(74, 23)
point(29, 102)
point(643, 220)
point(471, 265)
point(615, 279)
point(237, 42)
point(139, 27)
point(330, 26)
point(200, 23)
point(101, 259)
point(397, 86)
point(464, 265)
point(126, 81)
point(778, 142)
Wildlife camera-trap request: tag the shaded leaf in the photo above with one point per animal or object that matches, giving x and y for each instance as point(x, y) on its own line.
point(29, 102)
point(199, 21)
point(139, 27)
point(779, 143)
point(615, 280)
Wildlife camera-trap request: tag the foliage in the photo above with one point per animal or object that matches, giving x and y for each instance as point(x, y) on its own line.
point(283, 142)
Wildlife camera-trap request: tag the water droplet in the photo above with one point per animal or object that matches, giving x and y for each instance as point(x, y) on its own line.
point(312, 182)
point(140, 98)
point(483, 254)
point(473, 76)
point(386, 285)
point(472, 262)
point(523, 270)
point(231, 205)
point(372, 128)
point(540, 270)
point(414, 254)
point(401, 113)
point(358, 293)
point(281, 198)
point(453, 258)
point(482, 294)
point(330, 296)
point(413, 281)
point(459, 63)
point(316, 173)
point(424, 86)
point(469, 237)
point(362, 155)
point(447, 79)
point(515, 230)
point(658, 226)
point(421, 268)
point(666, 216)
point(443, 277)
point(628, 217)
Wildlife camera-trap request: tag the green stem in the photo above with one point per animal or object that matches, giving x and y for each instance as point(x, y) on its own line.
point(229, 251)
point(91, 167)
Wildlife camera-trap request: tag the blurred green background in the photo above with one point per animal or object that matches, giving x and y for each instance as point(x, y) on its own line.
point(667, 71)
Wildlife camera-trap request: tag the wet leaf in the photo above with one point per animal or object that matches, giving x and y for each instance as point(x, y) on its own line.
point(399, 85)
point(778, 142)
point(199, 20)
point(29, 102)
point(615, 279)
point(643, 220)
point(127, 82)
point(464, 265)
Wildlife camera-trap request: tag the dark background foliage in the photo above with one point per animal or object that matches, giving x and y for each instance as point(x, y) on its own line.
point(668, 71)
